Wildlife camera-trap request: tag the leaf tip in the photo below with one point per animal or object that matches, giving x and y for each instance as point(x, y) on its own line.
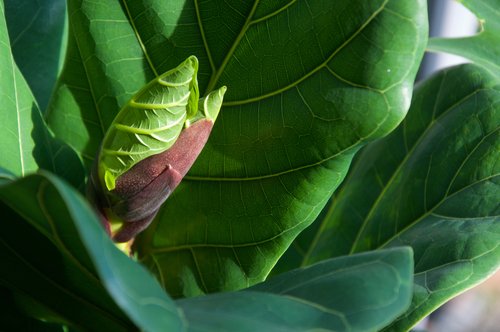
point(109, 179)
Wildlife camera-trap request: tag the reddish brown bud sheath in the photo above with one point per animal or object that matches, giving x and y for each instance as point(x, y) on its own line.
point(141, 191)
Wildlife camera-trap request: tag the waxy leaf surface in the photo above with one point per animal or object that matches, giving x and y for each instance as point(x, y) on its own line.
point(306, 88)
point(25, 142)
point(44, 260)
point(432, 184)
point(334, 295)
point(308, 83)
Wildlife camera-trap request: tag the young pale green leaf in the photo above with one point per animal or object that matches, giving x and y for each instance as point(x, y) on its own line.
point(37, 30)
point(209, 107)
point(484, 47)
point(150, 122)
point(44, 260)
point(432, 184)
point(334, 295)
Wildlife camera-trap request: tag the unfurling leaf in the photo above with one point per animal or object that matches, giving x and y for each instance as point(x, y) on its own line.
point(150, 122)
point(149, 148)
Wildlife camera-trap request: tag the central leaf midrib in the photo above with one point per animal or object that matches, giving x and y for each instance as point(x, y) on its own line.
point(139, 38)
point(216, 75)
point(190, 246)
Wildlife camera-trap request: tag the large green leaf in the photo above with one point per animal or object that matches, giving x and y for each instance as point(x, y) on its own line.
point(432, 184)
point(308, 83)
point(88, 97)
point(286, 134)
point(25, 142)
point(38, 40)
point(43, 260)
point(18, 114)
point(334, 295)
point(484, 47)
point(131, 286)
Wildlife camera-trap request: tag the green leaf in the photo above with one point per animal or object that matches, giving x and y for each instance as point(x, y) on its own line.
point(308, 83)
point(209, 107)
point(43, 260)
point(25, 141)
point(18, 110)
point(150, 122)
point(432, 184)
point(132, 287)
point(352, 301)
point(303, 95)
point(341, 284)
point(482, 48)
point(88, 97)
point(37, 30)
point(6, 176)
point(333, 295)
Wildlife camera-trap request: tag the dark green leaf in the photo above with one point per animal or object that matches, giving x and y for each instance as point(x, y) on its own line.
point(132, 287)
point(432, 184)
point(38, 41)
point(334, 295)
point(483, 48)
point(303, 95)
point(308, 83)
point(13, 318)
point(43, 259)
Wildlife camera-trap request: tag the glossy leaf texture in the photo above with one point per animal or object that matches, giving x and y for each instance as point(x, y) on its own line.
point(150, 122)
point(484, 47)
point(334, 295)
point(303, 95)
point(25, 141)
point(37, 30)
point(432, 184)
point(132, 287)
point(308, 82)
point(43, 260)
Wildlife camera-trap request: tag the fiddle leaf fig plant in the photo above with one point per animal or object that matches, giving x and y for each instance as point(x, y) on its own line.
point(175, 168)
